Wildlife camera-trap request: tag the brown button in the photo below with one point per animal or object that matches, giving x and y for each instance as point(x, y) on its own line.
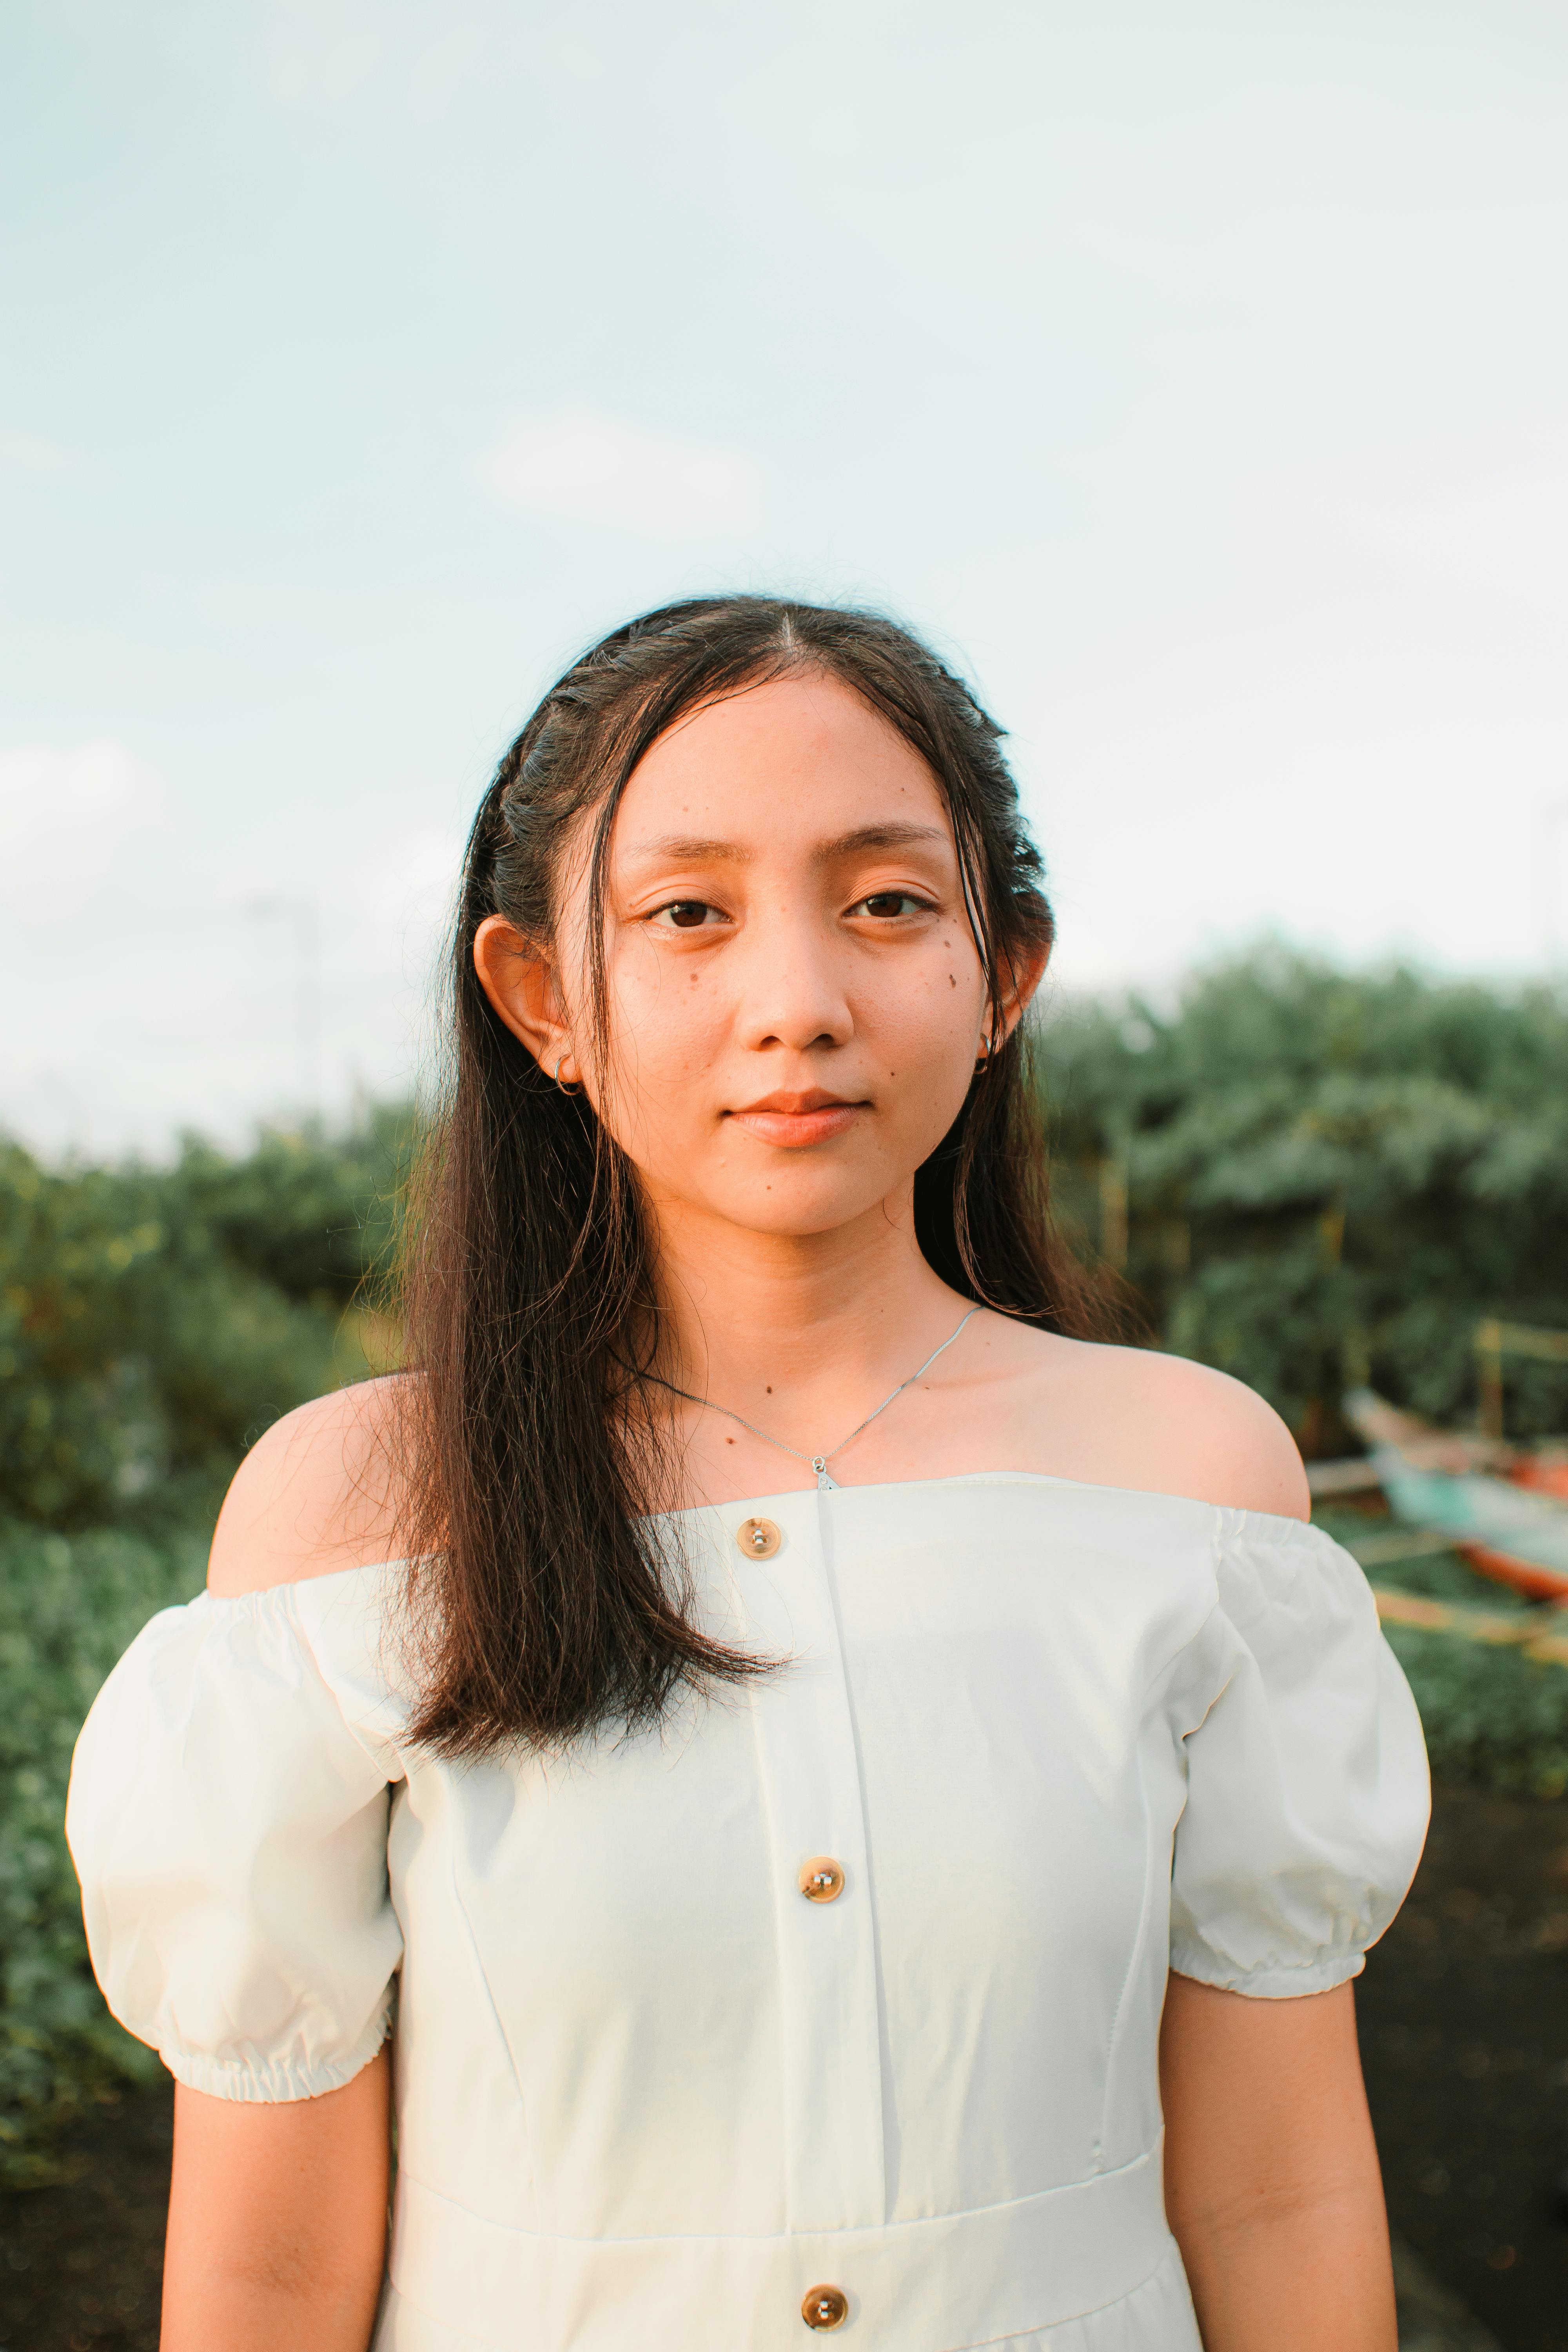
point(758, 1538)
point(825, 2306)
point(822, 1881)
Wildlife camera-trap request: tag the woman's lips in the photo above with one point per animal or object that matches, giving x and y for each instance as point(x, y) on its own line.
point(793, 1120)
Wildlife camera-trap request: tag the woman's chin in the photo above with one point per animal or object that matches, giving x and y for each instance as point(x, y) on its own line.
point(796, 1203)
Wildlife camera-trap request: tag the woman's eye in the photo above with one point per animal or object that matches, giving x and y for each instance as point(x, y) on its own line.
point(887, 905)
point(684, 915)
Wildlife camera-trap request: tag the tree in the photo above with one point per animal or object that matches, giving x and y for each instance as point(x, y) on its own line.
point(1326, 1176)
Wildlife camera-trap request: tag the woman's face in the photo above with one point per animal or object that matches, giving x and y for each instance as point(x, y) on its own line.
point(795, 999)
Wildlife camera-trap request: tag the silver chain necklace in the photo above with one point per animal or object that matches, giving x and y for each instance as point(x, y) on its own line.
point(819, 1461)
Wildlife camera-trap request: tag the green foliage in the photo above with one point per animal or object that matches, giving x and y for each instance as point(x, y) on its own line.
point(69, 1606)
point(1491, 1716)
point(152, 1324)
point(309, 1216)
point(1328, 1175)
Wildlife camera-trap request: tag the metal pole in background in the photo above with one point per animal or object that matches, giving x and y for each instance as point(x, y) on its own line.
point(1113, 1205)
point(1488, 1370)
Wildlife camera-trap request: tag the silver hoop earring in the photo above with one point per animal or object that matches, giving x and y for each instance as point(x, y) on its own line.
point(561, 1081)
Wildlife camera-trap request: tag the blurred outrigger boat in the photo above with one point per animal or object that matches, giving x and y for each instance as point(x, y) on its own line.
point(1513, 1526)
point(1536, 1633)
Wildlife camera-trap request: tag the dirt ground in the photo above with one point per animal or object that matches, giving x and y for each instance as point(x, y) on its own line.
point(81, 2265)
point(1464, 2011)
point(1463, 2020)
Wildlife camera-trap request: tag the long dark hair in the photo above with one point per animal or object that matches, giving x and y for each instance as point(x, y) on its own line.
point(534, 1452)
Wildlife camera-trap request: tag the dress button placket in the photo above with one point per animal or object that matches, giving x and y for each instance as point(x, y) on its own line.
point(809, 1770)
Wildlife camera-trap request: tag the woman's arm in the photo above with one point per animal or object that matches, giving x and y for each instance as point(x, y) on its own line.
point(278, 2220)
point(278, 2212)
point(1272, 2184)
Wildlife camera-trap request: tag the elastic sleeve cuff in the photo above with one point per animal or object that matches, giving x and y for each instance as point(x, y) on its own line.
point(273, 2085)
point(1287, 1983)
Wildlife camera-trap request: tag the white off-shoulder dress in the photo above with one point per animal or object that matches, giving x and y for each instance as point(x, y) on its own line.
point(829, 2004)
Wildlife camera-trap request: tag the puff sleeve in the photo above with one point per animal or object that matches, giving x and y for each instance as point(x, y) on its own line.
point(1307, 1788)
point(227, 1818)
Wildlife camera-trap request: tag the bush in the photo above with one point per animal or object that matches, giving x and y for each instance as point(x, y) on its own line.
point(1491, 1716)
point(69, 1606)
point(152, 1324)
point(1313, 1179)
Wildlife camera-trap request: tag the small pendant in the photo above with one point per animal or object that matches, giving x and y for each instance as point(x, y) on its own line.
point(823, 1482)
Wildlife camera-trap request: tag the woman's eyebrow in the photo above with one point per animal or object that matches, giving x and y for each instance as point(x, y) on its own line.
point(690, 849)
point(703, 849)
point(880, 836)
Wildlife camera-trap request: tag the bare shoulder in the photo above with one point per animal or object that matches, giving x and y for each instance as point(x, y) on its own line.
point(1211, 1436)
point(1132, 1417)
point(318, 1493)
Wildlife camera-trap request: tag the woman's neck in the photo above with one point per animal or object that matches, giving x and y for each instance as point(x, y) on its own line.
point(798, 1330)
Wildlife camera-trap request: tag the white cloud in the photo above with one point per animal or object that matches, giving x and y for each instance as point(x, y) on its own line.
point(600, 471)
point(91, 795)
point(29, 453)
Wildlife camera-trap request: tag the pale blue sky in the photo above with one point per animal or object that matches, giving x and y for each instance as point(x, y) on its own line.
point(1195, 374)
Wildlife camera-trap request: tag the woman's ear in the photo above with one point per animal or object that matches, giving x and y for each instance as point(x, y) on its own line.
point(1021, 976)
point(523, 987)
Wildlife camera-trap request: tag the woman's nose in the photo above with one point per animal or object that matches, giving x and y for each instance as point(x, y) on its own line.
point(791, 985)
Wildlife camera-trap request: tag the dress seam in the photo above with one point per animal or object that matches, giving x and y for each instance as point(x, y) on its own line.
point(502, 2036)
point(1214, 1609)
point(1140, 1942)
point(375, 1752)
point(783, 2237)
point(1074, 2318)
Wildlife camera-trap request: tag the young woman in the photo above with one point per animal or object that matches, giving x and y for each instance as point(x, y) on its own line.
point(870, 1800)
